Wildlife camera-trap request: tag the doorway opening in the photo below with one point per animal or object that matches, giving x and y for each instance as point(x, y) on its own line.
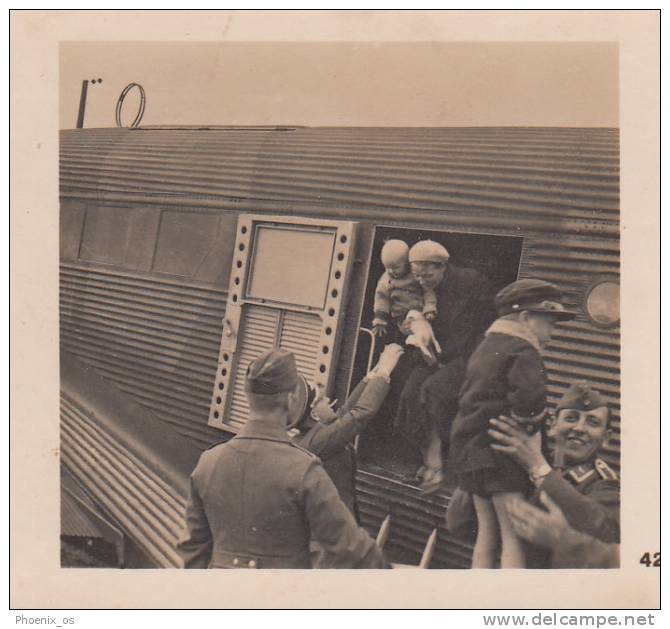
point(496, 257)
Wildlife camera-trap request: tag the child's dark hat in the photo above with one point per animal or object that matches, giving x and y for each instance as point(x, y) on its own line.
point(532, 295)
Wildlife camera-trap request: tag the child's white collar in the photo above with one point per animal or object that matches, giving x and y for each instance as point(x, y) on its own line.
point(514, 328)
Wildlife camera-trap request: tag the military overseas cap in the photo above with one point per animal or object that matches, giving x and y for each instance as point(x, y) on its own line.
point(428, 251)
point(580, 396)
point(532, 295)
point(394, 251)
point(274, 371)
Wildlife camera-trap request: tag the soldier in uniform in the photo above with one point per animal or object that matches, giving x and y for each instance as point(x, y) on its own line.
point(258, 500)
point(329, 434)
point(548, 528)
point(580, 483)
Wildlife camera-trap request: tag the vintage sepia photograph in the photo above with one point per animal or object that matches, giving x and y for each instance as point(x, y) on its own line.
point(288, 346)
point(341, 305)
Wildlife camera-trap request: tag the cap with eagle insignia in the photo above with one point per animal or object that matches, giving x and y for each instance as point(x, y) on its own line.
point(580, 396)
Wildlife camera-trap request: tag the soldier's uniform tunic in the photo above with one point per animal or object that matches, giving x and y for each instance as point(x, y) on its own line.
point(257, 501)
point(589, 496)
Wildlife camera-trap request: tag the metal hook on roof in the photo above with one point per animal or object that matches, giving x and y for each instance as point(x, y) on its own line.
point(140, 111)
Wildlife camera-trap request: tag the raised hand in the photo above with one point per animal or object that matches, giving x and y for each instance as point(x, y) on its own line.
point(549, 528)
point(389, 359)
point(512, 439)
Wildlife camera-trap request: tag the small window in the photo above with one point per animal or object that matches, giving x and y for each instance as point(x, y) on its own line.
point(71, 221)
point(106, 232)
point(291, 266)
point(184, 241)
point(601, 302)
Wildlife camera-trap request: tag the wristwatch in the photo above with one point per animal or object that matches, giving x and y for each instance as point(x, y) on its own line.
point(539, 474)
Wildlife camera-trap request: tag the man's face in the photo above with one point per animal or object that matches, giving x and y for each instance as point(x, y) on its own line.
point(580, 434)
point(428, 274)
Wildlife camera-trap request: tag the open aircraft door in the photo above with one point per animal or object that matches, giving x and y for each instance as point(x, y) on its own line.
point(288, 284)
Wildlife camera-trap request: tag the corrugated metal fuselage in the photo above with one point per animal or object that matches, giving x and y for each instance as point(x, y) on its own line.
point(147, 229)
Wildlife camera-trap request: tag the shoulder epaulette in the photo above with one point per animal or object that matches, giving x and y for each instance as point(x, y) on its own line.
point(307, 452)
point(605, 470)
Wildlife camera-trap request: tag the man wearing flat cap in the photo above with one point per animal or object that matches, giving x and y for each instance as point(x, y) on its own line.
point(428, 398)
point(580, 483)
point(258, 500)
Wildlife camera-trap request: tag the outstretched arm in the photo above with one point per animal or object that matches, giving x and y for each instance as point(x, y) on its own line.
point(323, 439)
point(361, 406)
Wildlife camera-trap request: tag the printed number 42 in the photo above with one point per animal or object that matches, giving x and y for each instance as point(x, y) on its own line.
point(650, 560)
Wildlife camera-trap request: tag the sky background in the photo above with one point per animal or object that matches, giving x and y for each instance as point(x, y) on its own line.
point(344, 84)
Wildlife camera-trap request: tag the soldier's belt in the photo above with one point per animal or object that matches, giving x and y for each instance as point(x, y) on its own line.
point(227, 560)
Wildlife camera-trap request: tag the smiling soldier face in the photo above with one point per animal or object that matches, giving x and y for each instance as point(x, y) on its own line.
point(579, 434)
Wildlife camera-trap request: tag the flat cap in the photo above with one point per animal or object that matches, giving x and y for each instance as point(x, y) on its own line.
point(428, 251)
point(582, 397)
point(274, 371)
point(532, 295)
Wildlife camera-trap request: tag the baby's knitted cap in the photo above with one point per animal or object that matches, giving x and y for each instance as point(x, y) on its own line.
point(394, 251)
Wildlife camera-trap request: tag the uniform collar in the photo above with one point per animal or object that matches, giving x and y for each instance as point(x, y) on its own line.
point(258, 428)
point(579, 473)
point(514, 328)
point(595, 468)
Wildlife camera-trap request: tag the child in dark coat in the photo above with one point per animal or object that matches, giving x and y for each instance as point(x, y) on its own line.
point(505, 376)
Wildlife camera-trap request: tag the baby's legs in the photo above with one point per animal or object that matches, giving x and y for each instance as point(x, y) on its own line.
point(512, 555)
point(484, 552)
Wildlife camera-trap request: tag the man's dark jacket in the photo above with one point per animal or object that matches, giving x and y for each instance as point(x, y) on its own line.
point(464, 311)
